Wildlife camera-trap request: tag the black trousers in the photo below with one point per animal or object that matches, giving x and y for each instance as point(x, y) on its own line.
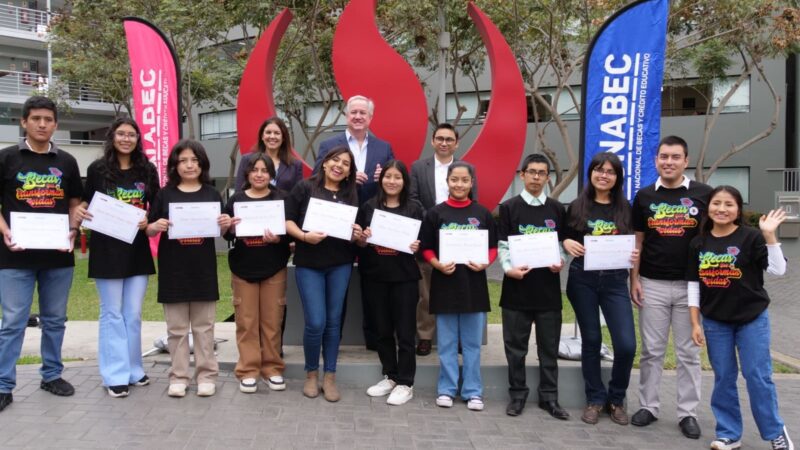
point(516, 334)
point(393, 309)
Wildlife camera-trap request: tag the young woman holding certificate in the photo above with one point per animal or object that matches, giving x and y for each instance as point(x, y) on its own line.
point(323, 265)
point(121, 270)
point(459, 294)
point(187, 269)
point(390, 283)
point(258, 275)
point(601, 209)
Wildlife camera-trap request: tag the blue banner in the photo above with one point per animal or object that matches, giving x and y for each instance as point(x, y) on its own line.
point(622, 77)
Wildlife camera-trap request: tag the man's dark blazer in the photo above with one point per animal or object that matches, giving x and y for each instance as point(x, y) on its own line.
point(378, 152)
point(423, 185)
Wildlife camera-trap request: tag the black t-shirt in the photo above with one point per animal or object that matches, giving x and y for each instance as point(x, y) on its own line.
point(730, 270)
point(539, 289)
point(109, 257)
point(599, 223)
point(463, 291)
point(381, 263)
point(669, 219)
point(37, 183)
point(187, 268)
point(251, 258)
point(330, 251)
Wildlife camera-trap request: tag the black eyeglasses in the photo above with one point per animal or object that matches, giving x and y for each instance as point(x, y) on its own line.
point(537, 173)
point(608, 173)
point(446, 140)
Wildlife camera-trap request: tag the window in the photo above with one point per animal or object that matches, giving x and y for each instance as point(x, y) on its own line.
point(475, 105)
point(478, 105)
point(314, 114)
point(218, 125)
point(690, 97)
point(739, 101)
point(738, 177)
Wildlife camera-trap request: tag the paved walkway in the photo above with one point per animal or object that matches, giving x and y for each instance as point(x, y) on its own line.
point(784, 311)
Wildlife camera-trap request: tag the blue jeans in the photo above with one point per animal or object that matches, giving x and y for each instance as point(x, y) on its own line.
point(468, 328)
point(322, 292)
point(119, 346)
point(16, 297)
point(589, 292)
point(752, 342)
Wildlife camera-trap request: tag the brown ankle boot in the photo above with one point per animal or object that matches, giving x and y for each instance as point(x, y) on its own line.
point(329, 387)
point(311, 386)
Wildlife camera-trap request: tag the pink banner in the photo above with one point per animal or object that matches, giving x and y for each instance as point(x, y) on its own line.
point(155, 91)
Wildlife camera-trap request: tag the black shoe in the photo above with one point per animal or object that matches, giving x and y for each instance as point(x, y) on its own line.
point(424, 347)
point(118, 391)
point(515, 406)
point(689, 427)
point(554, 409)
point(59, 386)
point(5, 400)
point(144, 381)
point(643, 418)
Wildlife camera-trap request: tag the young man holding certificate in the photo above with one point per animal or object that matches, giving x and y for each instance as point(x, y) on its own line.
point(37, 178)
point(531, 288)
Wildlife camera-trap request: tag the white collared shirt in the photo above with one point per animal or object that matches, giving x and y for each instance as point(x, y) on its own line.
point(440, 179)
point(360, 153)
point(684, 183)
point(531, 200)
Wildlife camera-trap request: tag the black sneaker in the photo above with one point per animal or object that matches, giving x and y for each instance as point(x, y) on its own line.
point(782, 442)
point(59, 386)
point(5, 400)
point(144, 381)
point(118, 391)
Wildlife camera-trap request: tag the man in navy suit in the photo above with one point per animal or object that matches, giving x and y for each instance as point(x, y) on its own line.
point(370, 152)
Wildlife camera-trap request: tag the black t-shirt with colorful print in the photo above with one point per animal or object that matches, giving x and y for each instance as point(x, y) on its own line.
point(730, 270)
point(37, 183)
point(600, 222)
point(669, 218)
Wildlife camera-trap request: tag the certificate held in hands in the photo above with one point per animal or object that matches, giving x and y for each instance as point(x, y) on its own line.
point(40, 231)
point(114, 218)
point(608, 252)
point(260, 216)
point(334, 219)
point(463, 246)
point(193, 220)
point(534, 250)
point(393, 231)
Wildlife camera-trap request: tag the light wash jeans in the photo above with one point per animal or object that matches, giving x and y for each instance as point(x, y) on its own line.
point(468, 328)
point(16, 297)
point(119, 346)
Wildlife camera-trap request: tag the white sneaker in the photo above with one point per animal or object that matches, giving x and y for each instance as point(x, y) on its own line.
point(248, 385)
point(475, 404)
point(444, 401)
point(725, 444)
point(383, 387)
point(177, 390)
point(400, 395)
point(206, 389)
point(276, 383)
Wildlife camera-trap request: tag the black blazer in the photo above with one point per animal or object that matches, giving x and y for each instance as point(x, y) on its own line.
point(378, 152)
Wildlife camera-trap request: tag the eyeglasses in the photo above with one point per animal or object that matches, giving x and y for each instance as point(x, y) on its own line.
point(124, 135)
point(446, 140)
point(608, 173)
point(537, 173)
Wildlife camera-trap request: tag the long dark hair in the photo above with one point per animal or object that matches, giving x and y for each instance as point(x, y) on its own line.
point(284, 151)
point(470, 168)
point(579, 212)
point(380, 197)
point(173, 179)
point(347, 187)
point(251, 166)
point(706, 224)
point(140, 166)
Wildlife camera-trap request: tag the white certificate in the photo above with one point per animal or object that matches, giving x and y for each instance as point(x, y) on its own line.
point(334, 219)
point(260, 216)
point(393, 231)
point(114, 218)
point(608, 252)
point(40, 231)
point(193, 220)
point(463, 246)
point(534, 250)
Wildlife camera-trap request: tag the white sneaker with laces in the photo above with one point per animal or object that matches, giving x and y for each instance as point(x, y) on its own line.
point(475, 404)
point(725, 444)
point(383, 387)
point(177, 390)
point(444, 401)
point(400, 395)
point(206, 389)
point(782, 442)
point(248, 385)
point(276, 383)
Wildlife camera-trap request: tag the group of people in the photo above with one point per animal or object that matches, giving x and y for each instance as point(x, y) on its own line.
point(697, 270)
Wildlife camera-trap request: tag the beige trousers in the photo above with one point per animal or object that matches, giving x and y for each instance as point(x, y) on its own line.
point(199, 317)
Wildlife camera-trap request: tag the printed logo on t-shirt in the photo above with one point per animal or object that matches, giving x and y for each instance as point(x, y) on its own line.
point(133, 196)
point(717, 269)
point(602, 227)
point(473, 224)
point(191, 241)
point(549, 226)
point(254, 241)
point(672, 220)
point(40, 190)
point(383, 251)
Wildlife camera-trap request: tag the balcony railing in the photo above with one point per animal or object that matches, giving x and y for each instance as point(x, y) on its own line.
point(25, 83)
point(23, 19)
point(790, 179)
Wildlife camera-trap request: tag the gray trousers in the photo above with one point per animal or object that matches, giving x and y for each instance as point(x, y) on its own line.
point(665, 303)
